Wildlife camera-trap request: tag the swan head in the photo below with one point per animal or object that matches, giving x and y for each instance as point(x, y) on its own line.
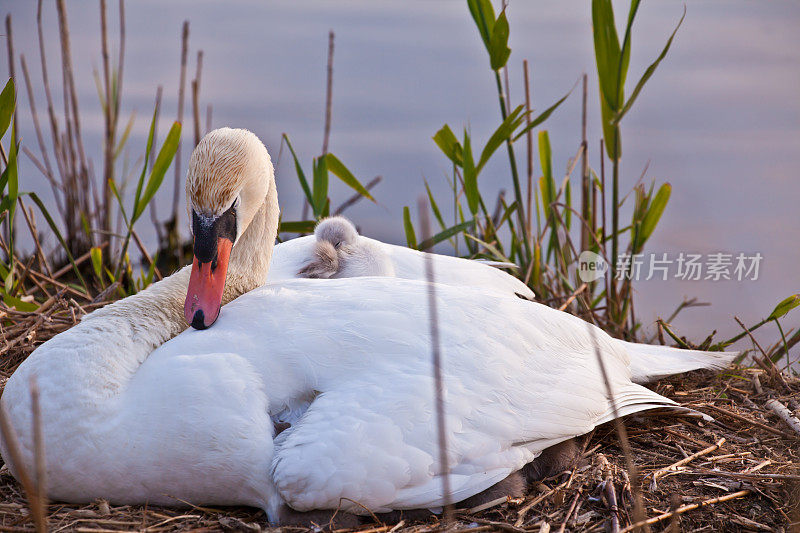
point(229, 175)
point(337, 231)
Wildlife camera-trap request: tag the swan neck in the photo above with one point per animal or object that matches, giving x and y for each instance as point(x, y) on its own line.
point(250, 257)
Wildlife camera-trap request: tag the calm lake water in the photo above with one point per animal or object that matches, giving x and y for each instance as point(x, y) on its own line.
point(720, 120)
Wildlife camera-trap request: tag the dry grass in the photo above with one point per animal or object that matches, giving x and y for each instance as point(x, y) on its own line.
point(757, 465)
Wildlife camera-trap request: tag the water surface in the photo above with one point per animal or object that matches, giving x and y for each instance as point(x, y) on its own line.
point(719, 120)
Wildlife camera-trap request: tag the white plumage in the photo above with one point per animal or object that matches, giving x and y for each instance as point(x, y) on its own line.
point(132, 416)
point(368, 257)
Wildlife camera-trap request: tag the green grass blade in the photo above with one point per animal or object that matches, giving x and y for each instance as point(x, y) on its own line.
point(784, 307)
point(140, 183)
point(625, 54)
point(608, 60)
point(544, 115)
point(126, 133)
point(160, 166)
point(50, 222)
point(301, 176)
point(498, 43)
point(654, 212)
point(320, 185)
point(470, 177)
point(300, 226)
point(434, 206)
point(97, 262)
point(497, 254)
point(343, 173)
point(446, 140)
point(19, 305)
point(648, 73)
point(501, 135)
point(7, 103)
point(446, 234)
point(115, 191)
point(483, 14)
point(411, 236)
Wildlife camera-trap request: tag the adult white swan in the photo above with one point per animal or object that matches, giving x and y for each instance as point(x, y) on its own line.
point(132, 416)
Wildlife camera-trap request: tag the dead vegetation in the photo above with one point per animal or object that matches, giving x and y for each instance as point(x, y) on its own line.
point(740, 472)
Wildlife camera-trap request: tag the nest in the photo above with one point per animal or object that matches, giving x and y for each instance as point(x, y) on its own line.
point(740, 472)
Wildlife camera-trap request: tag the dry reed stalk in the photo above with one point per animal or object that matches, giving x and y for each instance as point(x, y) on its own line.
point(196, 97)
point(12, 446)
point(585, 182)
point(357, 197)
point(109, 122)
point(39, 453)
point(328, 95)
point(9, 223)
point(529, 153)
point(30, 220)
point(433, 320)
point(152, 158)
point(176, 191)
point(619, 425)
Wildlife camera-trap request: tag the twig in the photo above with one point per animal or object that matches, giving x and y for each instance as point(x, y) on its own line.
point(741, 418)
point(686, 460)
point(497, 526)
point(530, 505)
point(685, 508)
point(66, 268)
point(784, 414)
point(611, 500)
point(146, 254)
point(357, 197)
point(569, 511)
point(573, 296)
point(773, 370)
point(487, 505)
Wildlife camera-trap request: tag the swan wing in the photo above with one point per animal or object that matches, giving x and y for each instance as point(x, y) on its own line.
point(519, 377)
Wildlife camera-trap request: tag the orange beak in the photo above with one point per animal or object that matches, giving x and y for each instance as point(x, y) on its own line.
point(206, 283)
point(214, 236)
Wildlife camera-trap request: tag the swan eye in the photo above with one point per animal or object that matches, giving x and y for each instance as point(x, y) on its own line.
point(338, 243)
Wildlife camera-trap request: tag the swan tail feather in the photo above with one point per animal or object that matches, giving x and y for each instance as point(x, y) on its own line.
point(634, 398)
point(651, 362)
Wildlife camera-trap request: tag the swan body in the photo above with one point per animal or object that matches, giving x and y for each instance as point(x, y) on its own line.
point(135, 411)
